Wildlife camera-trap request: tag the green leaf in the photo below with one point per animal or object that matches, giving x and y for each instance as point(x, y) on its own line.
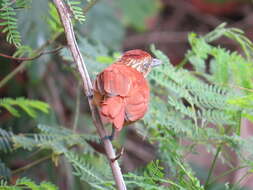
point(29, 106)
point(8, 15)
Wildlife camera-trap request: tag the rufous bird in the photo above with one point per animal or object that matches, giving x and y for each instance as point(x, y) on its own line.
point(121, 91)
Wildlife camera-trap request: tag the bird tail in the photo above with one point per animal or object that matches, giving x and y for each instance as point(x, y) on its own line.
point(113, 109)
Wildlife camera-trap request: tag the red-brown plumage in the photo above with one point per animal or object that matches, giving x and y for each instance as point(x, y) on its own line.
point(121, 91)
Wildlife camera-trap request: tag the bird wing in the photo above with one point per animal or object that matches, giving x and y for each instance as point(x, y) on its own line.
point(137, 101)
point(115, 80)
point(110, 89)
point(122, 93)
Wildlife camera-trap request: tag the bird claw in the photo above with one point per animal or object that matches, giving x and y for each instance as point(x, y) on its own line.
point(118, 156)
point(109, 137)
point(90, 95)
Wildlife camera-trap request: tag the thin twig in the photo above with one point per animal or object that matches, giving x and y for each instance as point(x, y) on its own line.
point(240, 87)
point(87, 84)
point(48, 42)
point(25, 63)
point(36, 162)
point(31, 58)
point(236, 185)
point(32, 164)
point(212, 166)
point(226, 173)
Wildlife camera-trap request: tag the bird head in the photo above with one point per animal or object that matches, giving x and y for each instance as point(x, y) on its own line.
point(140, 60)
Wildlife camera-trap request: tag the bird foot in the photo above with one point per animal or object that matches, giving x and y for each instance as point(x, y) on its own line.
point(109, 137)
point(90, 95)
point(118, 156)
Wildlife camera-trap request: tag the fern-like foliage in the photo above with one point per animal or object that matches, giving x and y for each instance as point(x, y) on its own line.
point(57, 139)
point(5, 172)
point(232, 33)
point(192, 105)
point(23, 51)
point(223, 62)
point(154, 178)
point(227, 68)
point(28, 106)
point(190, 96)
point(54, 20)
point(5, 140)
point(9, 23)
point(186, 103)
point(97, 179)
point(25, 183)
point(245, 103)
point(76, 10)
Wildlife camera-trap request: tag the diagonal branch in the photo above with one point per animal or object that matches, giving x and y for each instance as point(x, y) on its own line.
point(76, 54)
point(31, 58)
point(24, 64)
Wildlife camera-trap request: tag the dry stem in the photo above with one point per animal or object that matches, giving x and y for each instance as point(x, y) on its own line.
point(76, 54)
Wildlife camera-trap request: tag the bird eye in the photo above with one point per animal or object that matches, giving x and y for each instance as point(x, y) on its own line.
point(146, 63)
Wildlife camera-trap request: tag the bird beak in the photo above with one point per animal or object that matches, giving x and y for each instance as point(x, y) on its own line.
point(156, 62)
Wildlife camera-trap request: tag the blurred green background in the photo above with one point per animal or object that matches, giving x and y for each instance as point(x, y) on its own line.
point(110, 28)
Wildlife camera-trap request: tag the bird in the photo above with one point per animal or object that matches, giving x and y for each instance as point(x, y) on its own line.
point(121, 91)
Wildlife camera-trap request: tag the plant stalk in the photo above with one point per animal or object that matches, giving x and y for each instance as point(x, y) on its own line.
point(28, 166)
point(226, 173)
point(212, 166)
point(88, 89)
